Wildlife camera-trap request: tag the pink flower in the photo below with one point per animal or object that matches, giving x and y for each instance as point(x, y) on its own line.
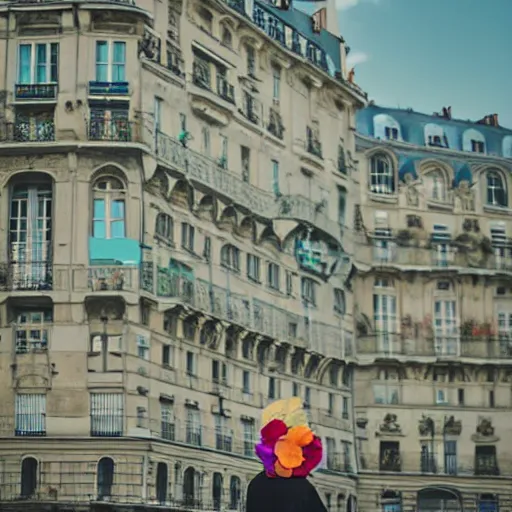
point(266, 454)
point(312, 457)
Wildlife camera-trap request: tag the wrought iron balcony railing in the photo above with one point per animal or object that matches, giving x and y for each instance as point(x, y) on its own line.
point(35, 91)
point(40, 128)
point(225, 90)
point(108, 88)
point(115, 130)
point(26, 276)
point(206, 171)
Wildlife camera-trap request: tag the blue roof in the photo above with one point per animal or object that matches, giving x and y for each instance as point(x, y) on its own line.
point(454, 134)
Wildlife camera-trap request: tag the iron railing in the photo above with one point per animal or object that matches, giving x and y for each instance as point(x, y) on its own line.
point(35, 91)
point(26, 276)
point(115, 130)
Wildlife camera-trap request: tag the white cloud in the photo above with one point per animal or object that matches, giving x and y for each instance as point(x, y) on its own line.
point(355, 58)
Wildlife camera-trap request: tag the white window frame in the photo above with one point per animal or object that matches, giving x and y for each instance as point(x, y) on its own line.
point(385, 393)
point(29, 344)
point(446, 325)
point(504, 327)
point(253, 267)
point(143, 347)
point(391, 133)
point(441, 396)
point(385, 315)
point(110, 62)
point(230, 257)
point(276, 83)
point(384, 181)
point(273, 275)
point(436, 185)
point(109, 195)
point(30, 414)
point(107, 414)
point(494, 184)
point(187, 236)
point(33, 61)
point(167, 223)
point(308, 291)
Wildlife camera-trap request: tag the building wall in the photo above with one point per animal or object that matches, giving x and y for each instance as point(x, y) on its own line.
point(112, 311)
point(432, 385)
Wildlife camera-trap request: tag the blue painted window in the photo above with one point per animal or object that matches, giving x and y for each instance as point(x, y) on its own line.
point(38, 63)
point(108, 209)
point(110, 61)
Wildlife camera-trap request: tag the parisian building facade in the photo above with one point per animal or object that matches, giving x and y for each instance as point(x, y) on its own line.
point(201, 217)
point(176, 185)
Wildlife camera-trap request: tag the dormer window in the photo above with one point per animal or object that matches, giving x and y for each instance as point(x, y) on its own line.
point(391, 133)
point(477, 146)
point(435, 136)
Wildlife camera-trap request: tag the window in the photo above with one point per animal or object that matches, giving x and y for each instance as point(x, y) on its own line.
point(330, 448)
point(206, 140)
point(441, 241)
point(30, 415)
point(162, 482)
point(477, 146)
point(342, 205)
point(435, 185)
point(111, 124)
point(230, 257)
point(158, 114)
point(30, 236)
point(223, 434)
point(142, 347)
point(384, 246)
point(505, 332)
point(145, 313)
point(289, 283)
point(110, 61)
point(31, 331)
point(253, 267)
point(246, 382)
point(38, 63)
point(307, 397)
point(345, 413)
point(273, 278)
point(105, 478)
point(223, 161)
point(501, 247)
point(276, 83)
point(191, 363)
point(235, 493)
point(391, 133)
point(168, 421)
point(486, 461)
point(339, 301)
point(330, 404)
point(219, 372)
point(107, 414)
point(386, 390)
point(245, 155)
point(109, 209)
point(391, 501)
point(382, 180)
point(496, 191)
point(167, 355)
point(308, 291)
point(275, 178)
point(384, 314)
point(295, 389)
point(273, 388)
point(29, 477)
point(428, 462)
point(460, 396)
point(187, 236)
point(164, 226)
point(251, 61)
point(389, 456)
point(441, 396)
point(249, 438)
point(206, 22)
point(446, 329)
point(193, 427)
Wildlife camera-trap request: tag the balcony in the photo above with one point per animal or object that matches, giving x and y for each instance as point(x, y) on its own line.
point(206, 172)
point(423, 344)
point(109, 88)
point(37, 128)
point(98, 279)
point(112, 130)
point(35, 92)
point(339, 463)
point(387, 253)
point(254, 314)
point(26, 276)
point(313, 144)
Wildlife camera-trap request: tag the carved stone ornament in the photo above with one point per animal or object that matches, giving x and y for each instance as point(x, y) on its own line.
point(426, 427)
point(464, 197)
point(409, 187)
point(390, 425)
point(452, 427)
point(484, 431)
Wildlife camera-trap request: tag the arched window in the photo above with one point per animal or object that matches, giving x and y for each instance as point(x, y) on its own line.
point(382, 179)
point(496, 190)
point(164, 227)
point(29, 473)
point(473, 141)
point(352, 504)
point(386, 127)
point(108, 208)
point(105, 478)
point(435, 185)
point(435, 136)
point(227, 37)
point(217, 491)
point(190, 487)
point(206, 19)
point(162, 479)
point(235, 492)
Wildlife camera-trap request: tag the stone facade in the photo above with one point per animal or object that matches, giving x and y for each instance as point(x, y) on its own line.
point(176, 181)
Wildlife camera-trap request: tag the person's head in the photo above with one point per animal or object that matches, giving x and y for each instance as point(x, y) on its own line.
point(288, 448)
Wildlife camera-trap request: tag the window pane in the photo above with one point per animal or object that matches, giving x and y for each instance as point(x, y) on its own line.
point(98, 229)
point(102, 61)
point(24, 74)
point(54, 62)
point(99, 209)
point(117, 209)
point(41, 63)
point(118, 62)
point(117, 229)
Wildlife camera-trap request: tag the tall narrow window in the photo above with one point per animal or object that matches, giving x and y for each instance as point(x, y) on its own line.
point(110, 61)
point(38, 63)
point(251, 61)
point(162, 479)
point(158, 114)
point(276, 83)
point(109, 208)
point(436, 185)
point(342, 205)
point(445, 326)
point(384, 314)
point(217, 491)
point(245, 155)
point(496, 191)
point(191, 488)
point(206, 141)
point(107, 414)
point(224, 152)
point(29, 477)
point(382, 180)
point(105, 478)
point(450, 457)
point(275, 177)
point(30, 236)
point(235, 492)
point(30, 415)
point(193, 427)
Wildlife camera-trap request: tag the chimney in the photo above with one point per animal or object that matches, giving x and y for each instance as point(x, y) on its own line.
point(447, 112)
point(495, 121)
point(489, 120)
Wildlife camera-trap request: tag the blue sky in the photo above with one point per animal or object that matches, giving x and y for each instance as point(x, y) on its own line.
point(428, 54)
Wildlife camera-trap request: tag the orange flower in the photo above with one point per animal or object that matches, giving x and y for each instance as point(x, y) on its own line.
point(282, 472)
point(288, 449)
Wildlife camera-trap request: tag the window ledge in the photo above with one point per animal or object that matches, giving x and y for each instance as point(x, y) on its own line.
point(382, 198)
point(505, 210)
